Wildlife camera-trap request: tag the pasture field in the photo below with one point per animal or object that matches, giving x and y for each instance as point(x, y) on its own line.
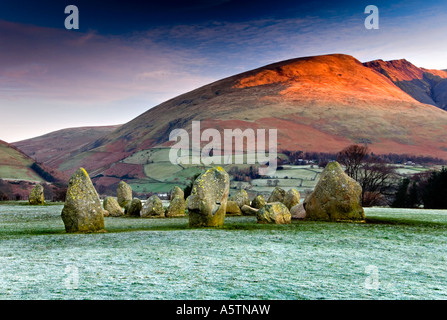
point(397, 254)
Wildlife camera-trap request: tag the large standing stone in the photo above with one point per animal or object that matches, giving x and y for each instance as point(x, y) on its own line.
point(275, 213)
point(133, 209)
point(124, 194)
point(291, 198)
point(336, 197)
point(112, 206)
point(277, 195)
point(176, 207)
point(36, 196)
point(82, 211)
point(241, 198)
point(258, 202)
point(153, 208)
point(207, 203)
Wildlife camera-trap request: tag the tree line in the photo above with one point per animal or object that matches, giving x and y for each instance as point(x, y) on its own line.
point(382, 185)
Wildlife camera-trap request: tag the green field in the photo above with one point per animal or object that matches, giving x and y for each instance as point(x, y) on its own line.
point(398, 254)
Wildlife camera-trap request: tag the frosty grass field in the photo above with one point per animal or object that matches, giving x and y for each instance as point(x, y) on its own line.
point(399, 254)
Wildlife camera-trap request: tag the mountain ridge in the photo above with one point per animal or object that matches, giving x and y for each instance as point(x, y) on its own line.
point(321, 104)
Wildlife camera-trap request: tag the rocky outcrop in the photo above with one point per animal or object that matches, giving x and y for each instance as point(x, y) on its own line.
point(335, 197)
point(36, 196)
point(274, 213)
point(82, 211)
point(207, 203)
point(124, 194)
point(112, 206)
point(153, 208)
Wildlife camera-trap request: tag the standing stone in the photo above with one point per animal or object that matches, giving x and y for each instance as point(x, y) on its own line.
point(207, 203)
point(153, 208)
point(241, 198)
point(112, 206)
point(36, 196)
point(133, 209)
point(177, 192)
point(176, 207)
point(277, 195)
point(124, 194)
point(336, 197)
point(258, 202)
point(275, 213)
point(291, 198)
point(233, 208)
point(82, 211)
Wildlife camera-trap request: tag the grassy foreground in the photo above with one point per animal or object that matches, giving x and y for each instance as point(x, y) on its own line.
point(398, 254)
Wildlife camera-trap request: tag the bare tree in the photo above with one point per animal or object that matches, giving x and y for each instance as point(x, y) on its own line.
point(352, 158)
point(376, 177)
point(378, 181)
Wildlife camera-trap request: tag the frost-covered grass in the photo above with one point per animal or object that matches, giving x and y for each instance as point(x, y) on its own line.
point(164, 259)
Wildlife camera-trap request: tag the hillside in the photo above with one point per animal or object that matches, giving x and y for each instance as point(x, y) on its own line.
point(321, 104)
point(19, 174)
point(56, 147)
point(15, 165)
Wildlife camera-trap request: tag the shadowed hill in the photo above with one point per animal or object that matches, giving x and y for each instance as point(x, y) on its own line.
point(425, 85)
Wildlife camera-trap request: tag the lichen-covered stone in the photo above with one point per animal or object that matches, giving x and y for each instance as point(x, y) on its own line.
point(133, 209)
point(277, 195)
point(335, 197)
point(176, 207)
point(291, 198)
point(233, 208)
point(82, 211)
point(207, 203)
point(153, 208)
point(258, 202)
point(177, 192)
point(241, 198)
point(274, 213)
point(112, 206)
point(36, 196)
point(124, 194)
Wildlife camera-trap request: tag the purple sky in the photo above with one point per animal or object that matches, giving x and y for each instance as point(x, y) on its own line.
point(52, 78)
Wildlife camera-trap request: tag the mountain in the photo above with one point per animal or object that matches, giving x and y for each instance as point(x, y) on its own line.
point(320, 103)
point(56, 147)
point(19, 173)
point(424, 85)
